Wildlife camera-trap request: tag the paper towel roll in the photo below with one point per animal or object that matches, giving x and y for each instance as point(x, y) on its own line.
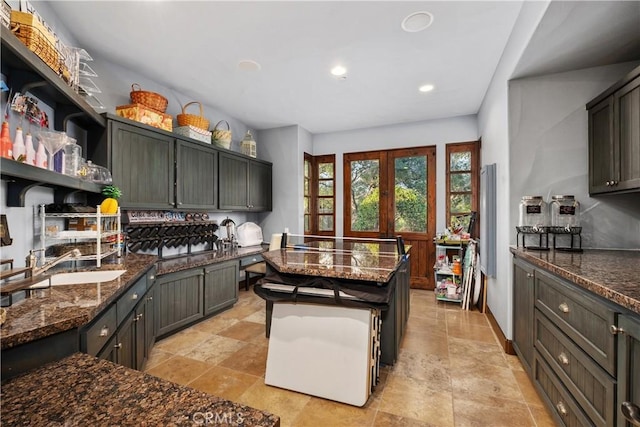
point(276, 239)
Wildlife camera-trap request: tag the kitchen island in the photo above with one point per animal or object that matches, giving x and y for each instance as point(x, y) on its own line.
point(82, 390)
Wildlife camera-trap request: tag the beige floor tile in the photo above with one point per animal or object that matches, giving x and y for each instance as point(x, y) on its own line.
point(513, 362)
point(413, 399)
point(284, 403)
point(463, 352)
point(427, 322)
point(215, 324)
point(465, 318)
point(426, 342)
point(179, 369)
point(542, 416)
point(257, 317)
point(250, 359)
point(471, 332)
point(183, 341)
point(322, 412)
point(240, 311)
point(215, 349)
point(528, 390)
point(486, 380)
point(156, 357)
point(243, 331)
point(474, 409)
point(223, 382)
point(384, 419)
point(429, 369)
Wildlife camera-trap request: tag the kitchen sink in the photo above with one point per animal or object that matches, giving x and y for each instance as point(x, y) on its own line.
point(79, 277)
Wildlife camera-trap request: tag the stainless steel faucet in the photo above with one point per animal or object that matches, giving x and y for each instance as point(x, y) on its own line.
point(34, 270)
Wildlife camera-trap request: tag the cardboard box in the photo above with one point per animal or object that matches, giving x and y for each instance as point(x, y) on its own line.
point(142, 114)
point(81, 224)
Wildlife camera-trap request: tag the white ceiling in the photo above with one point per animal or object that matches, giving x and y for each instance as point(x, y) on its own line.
point(194, 48)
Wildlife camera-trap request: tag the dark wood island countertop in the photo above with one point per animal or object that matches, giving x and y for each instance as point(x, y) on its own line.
point(82, 390)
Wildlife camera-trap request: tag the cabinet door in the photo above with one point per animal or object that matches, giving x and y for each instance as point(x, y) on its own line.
point(178, 300)
point(142, 166)
point(196, 176)
point(140, 326)
point(259, 186)
point(220, 286)
point(602, 150)
point(149, 324)
point(627, 102)
point(628, 371)
point(523, 311)
point(233, 176)
point(126, 345)
point(110, 350)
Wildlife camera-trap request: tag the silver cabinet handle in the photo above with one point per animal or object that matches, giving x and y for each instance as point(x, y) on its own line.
point(615, 330)
point(563, 359)
point(564, 307)
point(530, 275)
point(139, 316)
point(104, 331)
point(631, 412)
point(150, 298)
point(119, 345)
point(134, 296)
point(152, 277)
point(608, 183)
point(562, 410)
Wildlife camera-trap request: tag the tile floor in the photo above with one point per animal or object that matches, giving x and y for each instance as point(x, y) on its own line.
point(451, 372)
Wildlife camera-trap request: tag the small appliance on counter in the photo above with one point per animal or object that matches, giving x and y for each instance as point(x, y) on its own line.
point(229, 242)
point(533, 223)
point(249, 234)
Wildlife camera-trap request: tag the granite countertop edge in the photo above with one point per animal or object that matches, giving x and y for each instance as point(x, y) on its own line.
point(623, 296)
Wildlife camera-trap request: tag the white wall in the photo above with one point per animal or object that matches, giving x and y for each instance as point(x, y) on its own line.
point(426, 133)
point(548, 134)
point(493, 125)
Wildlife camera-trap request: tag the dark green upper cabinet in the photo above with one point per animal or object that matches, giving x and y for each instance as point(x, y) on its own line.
point(244, 184)
point(614, 138)
point(196, 176)
point(142, 165)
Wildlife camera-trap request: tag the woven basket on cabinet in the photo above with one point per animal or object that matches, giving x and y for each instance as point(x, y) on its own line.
point(192, 119)
point(153, 100)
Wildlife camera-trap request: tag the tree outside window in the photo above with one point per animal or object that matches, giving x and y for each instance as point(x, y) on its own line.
point(462, 183)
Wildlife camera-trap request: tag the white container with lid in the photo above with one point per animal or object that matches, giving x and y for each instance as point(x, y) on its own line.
point(565, 211)
point(534, 213)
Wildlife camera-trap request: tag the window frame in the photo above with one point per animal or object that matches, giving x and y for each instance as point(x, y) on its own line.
point(474, 148)
point(314, 188)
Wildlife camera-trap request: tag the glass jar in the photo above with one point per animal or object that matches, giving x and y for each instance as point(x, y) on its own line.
point(565, 211)
point(534, 213)
point(72, 158)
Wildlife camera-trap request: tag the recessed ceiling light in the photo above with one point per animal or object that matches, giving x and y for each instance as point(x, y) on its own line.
point(425, 88)
point(417, 21)
point(338, 71)
point(249, 65)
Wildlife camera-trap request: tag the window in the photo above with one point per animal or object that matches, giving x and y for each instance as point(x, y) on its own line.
point(319, 194)
point(462, 183)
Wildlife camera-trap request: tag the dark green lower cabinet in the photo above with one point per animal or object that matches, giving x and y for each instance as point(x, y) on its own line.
point(523, 308)
point(628, 408)
point(121, 349)
point(220, 286)
point(178, 300)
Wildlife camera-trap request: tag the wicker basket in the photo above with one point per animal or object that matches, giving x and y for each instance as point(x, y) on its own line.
point(192, 119)
point(36, 39)
point(221, 137)
point(153, 100)
point(85, 248)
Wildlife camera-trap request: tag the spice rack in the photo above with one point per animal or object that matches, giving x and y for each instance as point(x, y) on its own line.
point(98, 243)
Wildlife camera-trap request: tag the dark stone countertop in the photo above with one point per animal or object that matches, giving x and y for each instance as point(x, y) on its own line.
point(201, 259)
point(82, 390)
point(64, 307)
point(614, 275)
point(371, 261)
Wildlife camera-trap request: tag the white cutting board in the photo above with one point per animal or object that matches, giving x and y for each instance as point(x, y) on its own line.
point(321, 350)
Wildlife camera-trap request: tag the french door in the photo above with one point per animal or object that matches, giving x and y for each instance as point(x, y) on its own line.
point(391, 193)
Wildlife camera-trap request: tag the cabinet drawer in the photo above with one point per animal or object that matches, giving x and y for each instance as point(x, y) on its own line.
point(558, 399)
point(589, 384)
point(581, 317)
point(129, 300)
point(97, 335)
point(252, 259)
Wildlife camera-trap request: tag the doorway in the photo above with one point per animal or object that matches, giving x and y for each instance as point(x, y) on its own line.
point(392, 192)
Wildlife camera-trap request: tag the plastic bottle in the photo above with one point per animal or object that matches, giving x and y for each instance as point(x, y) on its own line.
point(30, 152)
point(41, 157)
point(19, 149)
point(6, 147)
